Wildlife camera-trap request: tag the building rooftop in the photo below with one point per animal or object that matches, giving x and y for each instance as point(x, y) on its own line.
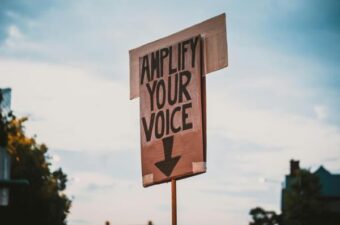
point(330, 182)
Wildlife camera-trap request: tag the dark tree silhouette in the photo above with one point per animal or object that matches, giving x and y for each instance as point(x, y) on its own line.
point(43, 201)
point(263, 217)
point(303, 203)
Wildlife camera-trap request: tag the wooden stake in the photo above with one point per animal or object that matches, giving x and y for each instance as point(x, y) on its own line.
point(174, 202)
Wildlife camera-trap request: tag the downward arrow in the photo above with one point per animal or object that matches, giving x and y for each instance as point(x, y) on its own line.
point(168, 164)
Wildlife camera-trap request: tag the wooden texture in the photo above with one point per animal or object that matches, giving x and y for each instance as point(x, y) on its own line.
point(216, 57)
point(174, 201)
point(180, 153)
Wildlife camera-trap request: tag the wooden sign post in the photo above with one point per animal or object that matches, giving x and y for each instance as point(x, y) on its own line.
point(174, 202)
point(169, 77)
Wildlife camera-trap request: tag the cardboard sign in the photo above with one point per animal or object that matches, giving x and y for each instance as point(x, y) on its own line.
point(215, 48)
point(169, 77)
point(171, 112)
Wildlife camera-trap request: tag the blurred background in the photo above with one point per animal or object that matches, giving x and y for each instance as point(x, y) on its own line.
point(68, 66)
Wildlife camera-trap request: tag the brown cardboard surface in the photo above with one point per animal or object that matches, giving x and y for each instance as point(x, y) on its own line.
point(214, 32)
point(175, 153)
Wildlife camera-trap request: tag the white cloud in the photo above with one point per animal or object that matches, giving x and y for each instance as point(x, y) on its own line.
point(120, 201)
point(321, 112)
point(287, 135)
point(14, 32)
point(126, 202)
point(71, 107)
point(17, 41)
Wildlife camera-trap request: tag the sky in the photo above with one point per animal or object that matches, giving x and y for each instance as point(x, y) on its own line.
point(279, 99)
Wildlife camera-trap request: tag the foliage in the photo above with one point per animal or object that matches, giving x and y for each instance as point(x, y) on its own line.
point(43, 201)
point(303, 204)
point(263, 217)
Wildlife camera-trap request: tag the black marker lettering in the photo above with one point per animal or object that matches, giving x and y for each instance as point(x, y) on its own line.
point(171, 70)
point(185, 116)
point(183, 85)
point(145, 68)
point(193, 50)
point(151, 91)
point(148, 129)
point(173, 128)
point(172, 89)
point(164, 54)
point(159, 124)
point(155, 64)
point(160, 94)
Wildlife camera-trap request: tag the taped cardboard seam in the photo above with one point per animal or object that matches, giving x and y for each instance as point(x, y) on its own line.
point(148, 179)
point(199, 167)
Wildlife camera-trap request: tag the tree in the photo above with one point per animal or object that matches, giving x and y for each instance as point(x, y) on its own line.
point(43, 201)
point(303, 203)
point(263, 217)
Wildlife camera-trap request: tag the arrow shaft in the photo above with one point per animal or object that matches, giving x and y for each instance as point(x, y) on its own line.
point(167, 146)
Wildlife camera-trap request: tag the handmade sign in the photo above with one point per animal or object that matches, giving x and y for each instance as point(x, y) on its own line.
point(171, 111)
point(169, 77)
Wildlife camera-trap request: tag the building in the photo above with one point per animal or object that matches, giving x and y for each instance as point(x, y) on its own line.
point(330, 191)
point(5, 104)
point(5, 161)
point(330, 185)
point(5, 99)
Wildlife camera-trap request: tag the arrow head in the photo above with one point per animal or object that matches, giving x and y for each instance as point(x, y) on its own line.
point(168, 165)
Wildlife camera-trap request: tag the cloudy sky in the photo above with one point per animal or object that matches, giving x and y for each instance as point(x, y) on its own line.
point(67, 64)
